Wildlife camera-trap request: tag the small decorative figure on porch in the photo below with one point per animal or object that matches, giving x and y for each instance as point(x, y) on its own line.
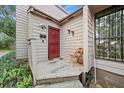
point(77, 56)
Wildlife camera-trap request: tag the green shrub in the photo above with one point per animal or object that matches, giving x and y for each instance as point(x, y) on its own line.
point(6, 43)
point(13, 74)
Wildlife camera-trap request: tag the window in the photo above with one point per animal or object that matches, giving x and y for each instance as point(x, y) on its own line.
point(109, 34)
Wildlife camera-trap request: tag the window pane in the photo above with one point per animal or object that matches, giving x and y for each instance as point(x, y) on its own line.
point(106, 48)
point(107, 25)
point(97, 48)
point(97, 28)
point(123, 48)
point(123, 34)
point(112, 48)
point(112, 25)
point(101, 48)
point(118, 23)
point(118, 48)
point(101, 27)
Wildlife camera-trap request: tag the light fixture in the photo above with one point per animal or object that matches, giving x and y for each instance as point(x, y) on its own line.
point(69, 31)
point(42, 26)
point(72, 33)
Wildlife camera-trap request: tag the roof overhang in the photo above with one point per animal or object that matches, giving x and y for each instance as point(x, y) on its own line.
point(42, 14)
point(35, 11)
point(94, 9)
point(69, 17)
point(97, 8)
point(62, 9)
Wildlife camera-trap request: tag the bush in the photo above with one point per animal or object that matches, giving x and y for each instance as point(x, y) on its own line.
point(13, 74)
point(6, 43)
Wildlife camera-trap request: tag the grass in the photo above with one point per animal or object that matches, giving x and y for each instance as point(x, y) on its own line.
point(14, 74)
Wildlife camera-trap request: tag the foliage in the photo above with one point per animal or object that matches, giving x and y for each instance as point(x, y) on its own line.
point(5, 41)
point(7, 19)
point(13, 74)
point(7, 24)
point(77, 56)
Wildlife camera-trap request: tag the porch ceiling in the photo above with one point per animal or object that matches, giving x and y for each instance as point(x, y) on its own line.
point(97, 8)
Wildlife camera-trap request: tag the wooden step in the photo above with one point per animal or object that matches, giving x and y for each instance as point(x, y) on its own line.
point(55, 80)
point(64, 84)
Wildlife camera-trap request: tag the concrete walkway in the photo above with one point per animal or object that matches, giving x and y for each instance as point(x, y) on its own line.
point(2, 53)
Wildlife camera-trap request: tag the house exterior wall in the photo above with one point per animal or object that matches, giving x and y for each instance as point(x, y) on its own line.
point(111, 66)
point(88, 45)
point(107, 65)
point(38, 51)
point(21, 32)
point(68, 42)
point(40, 47)
point(22, 26)
point(88, 39)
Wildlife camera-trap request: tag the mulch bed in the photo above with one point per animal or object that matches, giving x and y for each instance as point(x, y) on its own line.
point(100, 84)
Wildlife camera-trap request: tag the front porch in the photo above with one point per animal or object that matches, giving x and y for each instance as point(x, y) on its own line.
point(58, 68)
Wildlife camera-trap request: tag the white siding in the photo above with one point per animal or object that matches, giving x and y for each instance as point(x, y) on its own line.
point(41, 48)
point(22, 26)
point(90, 40)
point(110, 66)
point(21, 32)
point(68, 42)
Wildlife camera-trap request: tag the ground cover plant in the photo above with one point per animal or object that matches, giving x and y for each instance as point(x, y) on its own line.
point(14, 74)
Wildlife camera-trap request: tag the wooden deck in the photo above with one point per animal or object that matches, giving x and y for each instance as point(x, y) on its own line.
point(58, 69)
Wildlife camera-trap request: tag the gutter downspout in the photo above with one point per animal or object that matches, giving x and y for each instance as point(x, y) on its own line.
point(95, 69)
point(94, 53)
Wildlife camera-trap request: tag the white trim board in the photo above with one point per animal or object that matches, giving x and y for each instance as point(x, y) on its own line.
point(111, 66)
point(85, 38)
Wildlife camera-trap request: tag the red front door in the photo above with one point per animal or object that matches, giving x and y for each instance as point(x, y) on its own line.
point(53, 43)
